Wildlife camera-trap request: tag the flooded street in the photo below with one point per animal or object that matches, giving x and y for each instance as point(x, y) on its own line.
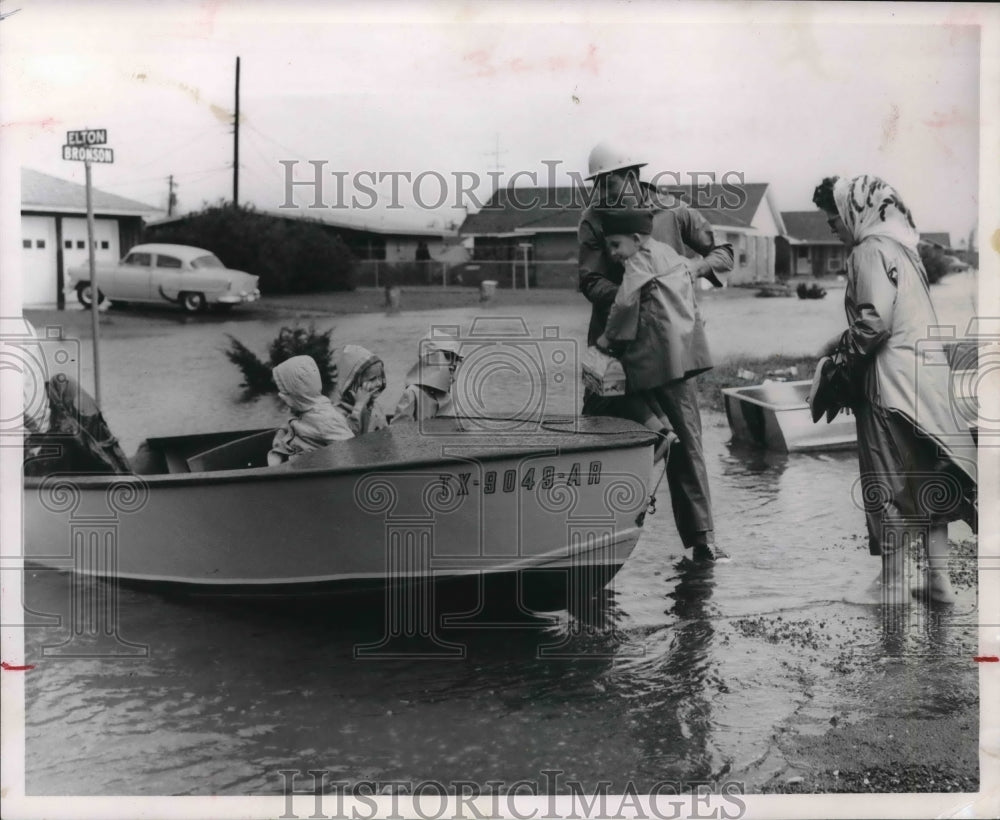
point(750, 671)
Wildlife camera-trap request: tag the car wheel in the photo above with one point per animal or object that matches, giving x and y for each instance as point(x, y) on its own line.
point(193, 302)
point(85, 295)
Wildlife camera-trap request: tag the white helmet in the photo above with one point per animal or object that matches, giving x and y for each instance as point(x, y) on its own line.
point(605, 158)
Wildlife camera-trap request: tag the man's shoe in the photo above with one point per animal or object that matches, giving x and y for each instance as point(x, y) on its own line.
point(704, 552)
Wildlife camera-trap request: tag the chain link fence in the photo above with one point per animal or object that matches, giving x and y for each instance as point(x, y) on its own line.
point(374, 273)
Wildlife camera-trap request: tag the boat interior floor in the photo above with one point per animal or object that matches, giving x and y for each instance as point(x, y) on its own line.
point(203, 453)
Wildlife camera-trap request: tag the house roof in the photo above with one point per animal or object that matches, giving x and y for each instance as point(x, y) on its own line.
point(43, 192)
point(809, 228)
point(529, 210)
point(942, 239)
point(540, 208)
point(380, 227)
point(332, 221)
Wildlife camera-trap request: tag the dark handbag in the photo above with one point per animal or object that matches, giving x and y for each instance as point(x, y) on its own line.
point(832, 389)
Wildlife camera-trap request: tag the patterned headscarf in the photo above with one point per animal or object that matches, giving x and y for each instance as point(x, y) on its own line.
point(870, 206)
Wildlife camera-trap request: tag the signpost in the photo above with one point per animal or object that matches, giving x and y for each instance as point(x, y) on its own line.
point(88, 146)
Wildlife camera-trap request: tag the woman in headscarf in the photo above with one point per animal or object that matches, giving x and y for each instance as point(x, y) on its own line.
point(360, 381)
point(315, 421)
point(917, 460)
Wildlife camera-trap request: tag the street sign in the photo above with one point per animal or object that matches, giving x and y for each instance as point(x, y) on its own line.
point(91, 136)
point(88, 146)
point(86, 153)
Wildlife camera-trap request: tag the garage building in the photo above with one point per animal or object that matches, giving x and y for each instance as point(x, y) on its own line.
point(54, 232)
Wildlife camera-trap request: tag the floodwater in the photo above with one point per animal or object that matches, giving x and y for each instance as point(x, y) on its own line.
point(687, 672)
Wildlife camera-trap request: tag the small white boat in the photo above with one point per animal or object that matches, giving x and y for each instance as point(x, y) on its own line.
point(776, 415)
point(561, 501)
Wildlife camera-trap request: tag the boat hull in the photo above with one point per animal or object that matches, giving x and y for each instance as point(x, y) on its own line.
point(776, 416)
point(388, 509)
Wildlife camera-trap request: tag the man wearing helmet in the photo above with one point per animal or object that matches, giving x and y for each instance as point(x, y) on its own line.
point(615, 175)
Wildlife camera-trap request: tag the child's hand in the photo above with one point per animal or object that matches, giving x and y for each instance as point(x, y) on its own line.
point(603, 344)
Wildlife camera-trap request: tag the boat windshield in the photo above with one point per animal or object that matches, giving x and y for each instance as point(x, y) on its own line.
point(207, 261)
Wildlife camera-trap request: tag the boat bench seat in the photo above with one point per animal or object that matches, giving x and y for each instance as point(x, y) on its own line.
point(246, 452)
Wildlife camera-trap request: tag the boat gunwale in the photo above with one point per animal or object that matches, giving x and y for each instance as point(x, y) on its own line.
point(737, 392)
point(283, 472)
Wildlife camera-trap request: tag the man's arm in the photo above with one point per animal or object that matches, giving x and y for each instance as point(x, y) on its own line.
point(594, 284)
point(697, 234)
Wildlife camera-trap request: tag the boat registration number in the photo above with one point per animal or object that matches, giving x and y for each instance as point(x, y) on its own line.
point(530, 479)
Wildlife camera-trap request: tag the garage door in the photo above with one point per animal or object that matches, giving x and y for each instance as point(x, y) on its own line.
point(74, 232)
point(38, 260)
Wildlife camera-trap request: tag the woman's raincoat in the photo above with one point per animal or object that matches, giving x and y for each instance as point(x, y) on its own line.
point(917, 458)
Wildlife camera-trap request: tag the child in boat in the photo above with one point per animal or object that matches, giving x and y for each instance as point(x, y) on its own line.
point(428, 384)
point(360, 381)
point(315, 421)
point(650, 323)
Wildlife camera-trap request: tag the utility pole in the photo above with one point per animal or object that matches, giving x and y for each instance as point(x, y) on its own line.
point(496, 153)
point(236, 141)
point(171, 196)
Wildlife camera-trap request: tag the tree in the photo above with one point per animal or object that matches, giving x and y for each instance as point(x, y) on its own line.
point(289, 255)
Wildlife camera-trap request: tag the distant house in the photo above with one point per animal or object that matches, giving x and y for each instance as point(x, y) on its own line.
point(370, 240)
point(537, 227)
point(810, 247)
point(939, 240)
point(54, 232)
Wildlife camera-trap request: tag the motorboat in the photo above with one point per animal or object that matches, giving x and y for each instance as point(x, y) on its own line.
point(562, 499)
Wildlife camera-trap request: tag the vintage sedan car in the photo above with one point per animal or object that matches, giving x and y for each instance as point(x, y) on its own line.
point(191, 278)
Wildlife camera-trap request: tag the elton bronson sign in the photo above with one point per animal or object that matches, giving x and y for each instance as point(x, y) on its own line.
point(88, 146)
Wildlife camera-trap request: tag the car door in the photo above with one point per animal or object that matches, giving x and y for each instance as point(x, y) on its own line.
point(168, 274)
point(131, 277)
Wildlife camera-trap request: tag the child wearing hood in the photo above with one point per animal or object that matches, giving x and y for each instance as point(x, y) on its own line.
point(653, 319)
point(315, 421)
point(428, 384)
point(360, 381)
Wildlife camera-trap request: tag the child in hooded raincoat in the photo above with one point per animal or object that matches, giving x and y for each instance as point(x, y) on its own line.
point(653, 325)
point(360, 381)
point(428, 384)
point(315, 421)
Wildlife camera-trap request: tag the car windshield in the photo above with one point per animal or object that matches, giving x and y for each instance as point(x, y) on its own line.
point(207, 261)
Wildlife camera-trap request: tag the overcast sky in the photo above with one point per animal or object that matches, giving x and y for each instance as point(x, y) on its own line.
point(783, 93)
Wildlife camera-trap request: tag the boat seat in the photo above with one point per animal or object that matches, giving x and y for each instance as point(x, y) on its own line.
point(175, 463)
point(246, 452)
